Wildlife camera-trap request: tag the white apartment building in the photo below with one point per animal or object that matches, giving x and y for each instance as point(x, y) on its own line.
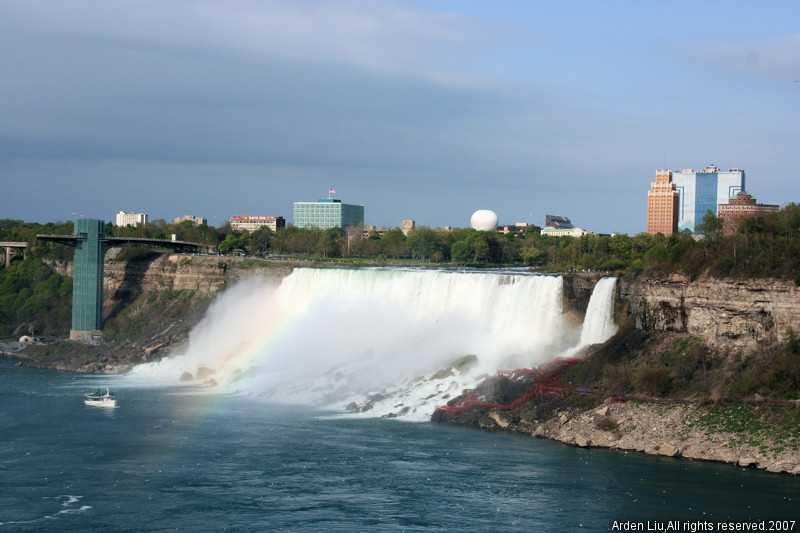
point(251, 223)
point(131, 219)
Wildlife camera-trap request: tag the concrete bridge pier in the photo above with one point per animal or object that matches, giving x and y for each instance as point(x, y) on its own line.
point(9, 247)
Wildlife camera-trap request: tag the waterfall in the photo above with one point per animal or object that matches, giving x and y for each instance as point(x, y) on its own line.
point(598, 325)
point(336, 335)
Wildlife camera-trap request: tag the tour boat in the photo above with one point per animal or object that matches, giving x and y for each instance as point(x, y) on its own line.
point(99, 398)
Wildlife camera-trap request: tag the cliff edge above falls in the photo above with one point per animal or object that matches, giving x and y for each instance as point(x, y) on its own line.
point(723, 313)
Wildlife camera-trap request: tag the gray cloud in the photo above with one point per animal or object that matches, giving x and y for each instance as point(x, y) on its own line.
point(243, 107)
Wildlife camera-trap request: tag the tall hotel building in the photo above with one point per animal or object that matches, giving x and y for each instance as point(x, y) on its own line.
point(662, 204)
point(698, 193)
point(327, 213)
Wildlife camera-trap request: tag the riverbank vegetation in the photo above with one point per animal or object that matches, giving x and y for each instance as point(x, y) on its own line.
point(34, 300)
point(679, 365)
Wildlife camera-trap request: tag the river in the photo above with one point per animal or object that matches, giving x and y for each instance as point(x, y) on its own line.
point(182, 459)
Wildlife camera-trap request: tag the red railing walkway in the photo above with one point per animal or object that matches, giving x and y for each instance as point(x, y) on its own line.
point(545, 385)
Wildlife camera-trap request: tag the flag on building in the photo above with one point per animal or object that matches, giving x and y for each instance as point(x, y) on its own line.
point(331, 191)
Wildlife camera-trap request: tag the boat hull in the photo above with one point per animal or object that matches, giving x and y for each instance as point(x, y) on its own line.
point(100, 399)
point(101, 403)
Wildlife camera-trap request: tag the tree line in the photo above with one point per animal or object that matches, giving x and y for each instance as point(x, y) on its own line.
point(34, 299)
point(764, 246)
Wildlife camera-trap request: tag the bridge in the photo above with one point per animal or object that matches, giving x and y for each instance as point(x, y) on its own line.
point(90, 244)
point(10, 247)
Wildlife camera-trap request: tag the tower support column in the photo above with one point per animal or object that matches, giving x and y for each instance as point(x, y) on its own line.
point(87, 280)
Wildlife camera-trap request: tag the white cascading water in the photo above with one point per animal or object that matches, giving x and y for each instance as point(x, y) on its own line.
point(384, 340)
point(599, 325)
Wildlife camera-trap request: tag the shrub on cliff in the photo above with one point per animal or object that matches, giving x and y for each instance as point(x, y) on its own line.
point(34, 300)
point(772, 373)
point(147, 311)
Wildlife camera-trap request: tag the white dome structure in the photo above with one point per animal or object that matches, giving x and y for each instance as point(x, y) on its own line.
point(484, 220)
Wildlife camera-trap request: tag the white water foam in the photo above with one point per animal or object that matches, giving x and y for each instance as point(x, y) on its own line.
point(67, 508)
point(373, 337)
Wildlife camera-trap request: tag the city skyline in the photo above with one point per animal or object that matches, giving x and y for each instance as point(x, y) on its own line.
point(424, 110)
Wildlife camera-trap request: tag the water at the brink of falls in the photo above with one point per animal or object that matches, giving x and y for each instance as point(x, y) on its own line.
point(389, 341)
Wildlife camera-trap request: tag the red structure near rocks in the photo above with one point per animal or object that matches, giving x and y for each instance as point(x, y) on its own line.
point(545, 385)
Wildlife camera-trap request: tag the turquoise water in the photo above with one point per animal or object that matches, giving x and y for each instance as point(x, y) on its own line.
point(180, 460)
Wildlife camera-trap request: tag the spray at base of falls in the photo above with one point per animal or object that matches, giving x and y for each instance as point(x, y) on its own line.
point(386, 339)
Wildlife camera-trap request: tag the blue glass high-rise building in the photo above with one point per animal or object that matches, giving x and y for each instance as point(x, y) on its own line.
point(327, 213)
point(700, 192)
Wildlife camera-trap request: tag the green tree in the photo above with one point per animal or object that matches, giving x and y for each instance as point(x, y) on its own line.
point(711, 226)
point(393, 244)
point(480, 244)
point(462, 251)
point(530, 253)
point(327, 241)
point(33, 297)
point(620, 246)
point(260, 241)
point(422, 243)
point(232, 242)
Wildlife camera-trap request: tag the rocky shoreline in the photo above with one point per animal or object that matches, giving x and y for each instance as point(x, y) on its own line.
point(99, 358)
point(687, 431)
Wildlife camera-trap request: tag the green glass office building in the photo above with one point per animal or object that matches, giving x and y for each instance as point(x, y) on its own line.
point(327, 213)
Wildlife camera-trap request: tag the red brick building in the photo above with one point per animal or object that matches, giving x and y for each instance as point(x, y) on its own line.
point(744, 205)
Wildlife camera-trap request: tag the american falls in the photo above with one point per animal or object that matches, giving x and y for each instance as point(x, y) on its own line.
point(394, 342)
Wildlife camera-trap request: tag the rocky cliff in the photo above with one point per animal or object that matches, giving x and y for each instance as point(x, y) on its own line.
point(577, 292)
point(722, 313)
point(160, 272)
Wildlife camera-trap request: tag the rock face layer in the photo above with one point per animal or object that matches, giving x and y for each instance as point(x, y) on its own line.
point(170, 272)
point(720, 312)
point(205, 275)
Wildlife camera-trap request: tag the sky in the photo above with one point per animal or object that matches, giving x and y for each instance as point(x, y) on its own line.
point(422, 110)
